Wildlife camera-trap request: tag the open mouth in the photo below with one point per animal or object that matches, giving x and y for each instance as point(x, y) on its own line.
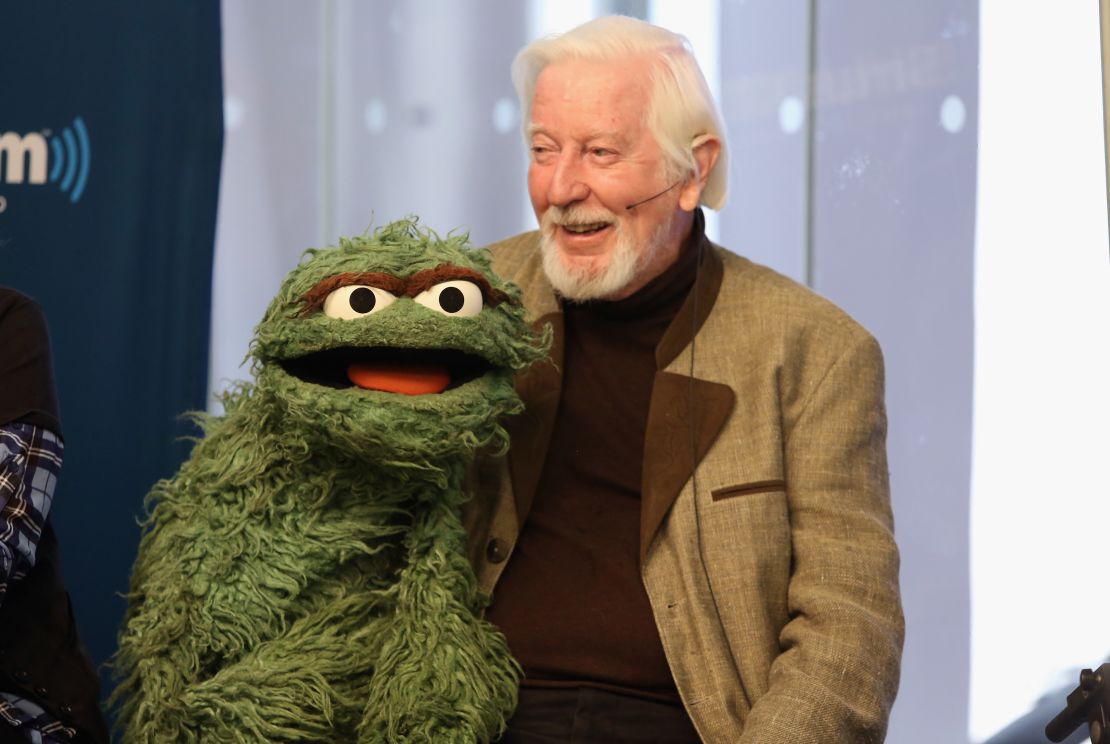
point(586, 229)
point(392, 370)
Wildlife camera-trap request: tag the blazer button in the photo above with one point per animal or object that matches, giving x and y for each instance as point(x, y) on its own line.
point(66, 710)
point(496, 550)
point(22, 675)
point(42, 692)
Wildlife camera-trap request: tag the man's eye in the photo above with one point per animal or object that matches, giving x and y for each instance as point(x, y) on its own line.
point(458, 298)
point(356, 300)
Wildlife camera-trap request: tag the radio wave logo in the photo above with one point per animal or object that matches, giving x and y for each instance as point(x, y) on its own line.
point(24, 158)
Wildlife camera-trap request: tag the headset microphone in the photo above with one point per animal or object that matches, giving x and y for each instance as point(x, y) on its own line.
point(645, 201)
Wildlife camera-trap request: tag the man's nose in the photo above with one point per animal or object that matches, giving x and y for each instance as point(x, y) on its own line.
point(568, 184)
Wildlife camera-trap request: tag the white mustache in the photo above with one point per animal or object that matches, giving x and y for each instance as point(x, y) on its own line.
point(575, 215)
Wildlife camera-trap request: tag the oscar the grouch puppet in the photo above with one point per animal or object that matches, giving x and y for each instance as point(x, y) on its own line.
point(303, 576)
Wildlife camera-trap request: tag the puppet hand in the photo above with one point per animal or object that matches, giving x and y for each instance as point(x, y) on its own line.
point(443, 674)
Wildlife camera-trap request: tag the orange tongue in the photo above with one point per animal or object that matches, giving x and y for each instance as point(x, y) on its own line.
point(407, 379)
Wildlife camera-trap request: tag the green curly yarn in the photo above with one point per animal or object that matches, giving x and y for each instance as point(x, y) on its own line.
point(303, 576)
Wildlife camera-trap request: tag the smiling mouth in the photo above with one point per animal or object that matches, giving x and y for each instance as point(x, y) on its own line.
point(392, 370)
point(586, 229)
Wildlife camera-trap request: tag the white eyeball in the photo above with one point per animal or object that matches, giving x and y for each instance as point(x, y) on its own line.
point(355, 301)
point(457, 298)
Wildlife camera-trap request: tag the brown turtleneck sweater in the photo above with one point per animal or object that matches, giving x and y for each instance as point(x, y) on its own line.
point(571, 600)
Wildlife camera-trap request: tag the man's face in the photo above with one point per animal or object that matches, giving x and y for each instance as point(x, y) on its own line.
point(591, 156)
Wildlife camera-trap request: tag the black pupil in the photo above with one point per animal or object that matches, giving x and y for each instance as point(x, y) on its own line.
point(451, 299)
point(363, 300)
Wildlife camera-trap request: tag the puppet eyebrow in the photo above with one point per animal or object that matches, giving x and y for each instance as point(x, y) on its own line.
point(422, 280)
point(411, 286)
point(314, 298)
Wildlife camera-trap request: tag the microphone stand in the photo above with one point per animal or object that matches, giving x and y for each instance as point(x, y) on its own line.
point(1089, 703)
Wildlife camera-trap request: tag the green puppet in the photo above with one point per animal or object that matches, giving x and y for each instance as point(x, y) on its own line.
point(303, 577)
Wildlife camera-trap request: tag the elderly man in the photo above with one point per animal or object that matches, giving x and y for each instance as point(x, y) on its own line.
point(691, 537)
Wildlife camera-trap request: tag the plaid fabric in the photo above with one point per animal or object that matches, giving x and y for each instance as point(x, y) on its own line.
point(30, 458)
point(36, 724)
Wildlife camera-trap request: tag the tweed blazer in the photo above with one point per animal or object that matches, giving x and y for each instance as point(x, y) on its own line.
point(767, 545)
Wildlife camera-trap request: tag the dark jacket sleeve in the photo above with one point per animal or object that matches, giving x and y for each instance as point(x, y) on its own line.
point(26, 370)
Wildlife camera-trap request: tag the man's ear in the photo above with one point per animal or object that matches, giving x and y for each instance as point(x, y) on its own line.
point(706, 150)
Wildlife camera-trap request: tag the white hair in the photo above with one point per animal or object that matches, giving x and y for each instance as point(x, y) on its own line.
point(681, 108)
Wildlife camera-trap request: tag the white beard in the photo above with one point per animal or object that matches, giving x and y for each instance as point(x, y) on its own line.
point(608, 276)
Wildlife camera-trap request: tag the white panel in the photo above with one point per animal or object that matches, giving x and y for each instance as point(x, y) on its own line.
point(762, 46)
point(1041, 440)
point(268, 209)
point(700, 22)
point(556, 16)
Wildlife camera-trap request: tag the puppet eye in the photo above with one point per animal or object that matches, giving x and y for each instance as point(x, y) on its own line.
point(458, 298)
point(355, 301)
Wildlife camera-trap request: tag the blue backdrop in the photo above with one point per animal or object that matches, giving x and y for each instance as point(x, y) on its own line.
point(110, 140)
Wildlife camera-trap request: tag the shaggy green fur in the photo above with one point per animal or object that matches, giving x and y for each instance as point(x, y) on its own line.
point(303, 576)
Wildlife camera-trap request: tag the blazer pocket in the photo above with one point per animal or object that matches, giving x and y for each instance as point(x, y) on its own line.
point(746, 489)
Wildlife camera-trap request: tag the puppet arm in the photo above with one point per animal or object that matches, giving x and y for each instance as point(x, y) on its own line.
point(300, 685)
point(837, 674)
point(443, 675)
point(164, 648)
point(188, 679)
point(192, 655)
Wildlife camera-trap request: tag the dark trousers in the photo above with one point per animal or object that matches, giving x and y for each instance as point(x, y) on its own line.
point(584, 715)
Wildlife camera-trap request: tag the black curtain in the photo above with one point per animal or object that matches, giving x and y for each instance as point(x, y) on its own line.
point(111, 119)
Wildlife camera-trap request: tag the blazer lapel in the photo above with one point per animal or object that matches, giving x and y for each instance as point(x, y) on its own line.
point(686, 413)
point(685, 418)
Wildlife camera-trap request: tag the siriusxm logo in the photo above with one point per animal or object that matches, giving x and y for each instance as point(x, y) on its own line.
point(37, 157)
